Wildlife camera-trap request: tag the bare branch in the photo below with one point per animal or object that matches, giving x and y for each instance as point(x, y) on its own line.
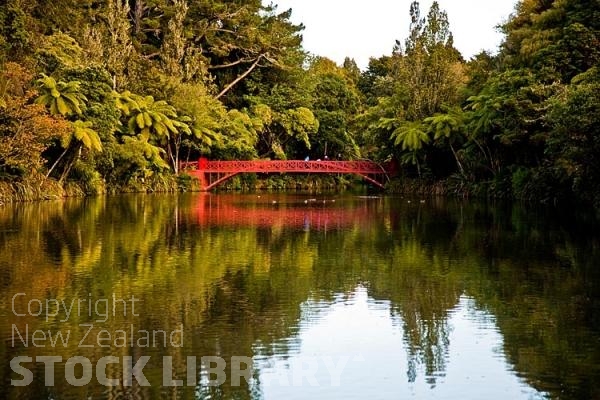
point(240, 61)
point(151, 55)
point(224, 30)
point(242, 76)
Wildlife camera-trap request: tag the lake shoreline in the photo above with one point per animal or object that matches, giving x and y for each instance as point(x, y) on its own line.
point(39, 188)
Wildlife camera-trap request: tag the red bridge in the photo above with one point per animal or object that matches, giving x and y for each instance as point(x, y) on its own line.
point(212, 173)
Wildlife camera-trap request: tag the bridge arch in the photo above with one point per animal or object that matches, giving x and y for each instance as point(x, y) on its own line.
point(205, 170)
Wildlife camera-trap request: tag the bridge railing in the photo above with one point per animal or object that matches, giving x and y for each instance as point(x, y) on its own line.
point(273, 166)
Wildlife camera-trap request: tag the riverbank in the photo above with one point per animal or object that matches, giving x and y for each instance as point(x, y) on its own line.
point(35, 188)
point(39, 188)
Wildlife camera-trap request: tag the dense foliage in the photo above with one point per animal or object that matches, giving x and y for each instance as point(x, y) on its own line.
point(114, 94)
point(522, 123)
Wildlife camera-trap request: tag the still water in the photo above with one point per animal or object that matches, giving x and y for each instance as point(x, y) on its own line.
point(323, 296)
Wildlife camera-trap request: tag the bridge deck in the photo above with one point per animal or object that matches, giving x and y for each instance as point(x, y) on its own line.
point(204, 168)
point(360, 167)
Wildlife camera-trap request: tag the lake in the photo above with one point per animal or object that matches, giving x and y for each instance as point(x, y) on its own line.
point(296, 296)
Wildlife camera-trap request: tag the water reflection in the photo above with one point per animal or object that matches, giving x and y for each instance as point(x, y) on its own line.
point(345, 339)
point(267, 210)
point(437, 300)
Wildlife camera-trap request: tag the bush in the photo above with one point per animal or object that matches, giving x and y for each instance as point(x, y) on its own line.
point(543, 184)
point(88, 178)
point(521, 180)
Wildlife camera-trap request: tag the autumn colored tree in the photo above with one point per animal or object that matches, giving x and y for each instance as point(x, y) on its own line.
point(26, 129)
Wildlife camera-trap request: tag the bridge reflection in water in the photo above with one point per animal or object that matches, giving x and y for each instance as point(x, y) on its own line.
point(316, 212)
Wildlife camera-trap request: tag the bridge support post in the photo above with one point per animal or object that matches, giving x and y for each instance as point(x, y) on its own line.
point(202, 166)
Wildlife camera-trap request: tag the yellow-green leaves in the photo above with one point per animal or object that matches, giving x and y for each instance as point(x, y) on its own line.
point(62, 98)
point(445, 125)
point(148, 117)
point(300, 123)
point(263, 116)
point(82, 131)
point(141, 148)
point(276, 128)
point(126, 102)
point(410, 135)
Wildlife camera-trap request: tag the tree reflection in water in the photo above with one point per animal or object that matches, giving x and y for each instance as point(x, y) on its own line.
point(236, 270)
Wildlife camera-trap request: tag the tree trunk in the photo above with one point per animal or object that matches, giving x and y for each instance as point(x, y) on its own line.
point(138, 13)
point(69, 165)
point(460, 166)
point(56, 162)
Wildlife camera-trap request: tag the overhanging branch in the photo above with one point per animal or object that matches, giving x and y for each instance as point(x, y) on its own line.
point(242, 76)
point(232, 64)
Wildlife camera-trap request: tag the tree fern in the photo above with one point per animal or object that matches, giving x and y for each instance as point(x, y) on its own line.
point(410, 136)
point(62, 98)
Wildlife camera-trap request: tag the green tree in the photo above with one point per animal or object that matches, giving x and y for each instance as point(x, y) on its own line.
point(115, 42)
point(285, 133)
point(449, 129)
point(240, 137)
point(151, 119)
point(557, 39)
point(15, 31)
point(421, 78)
point(410, 136)
point(242, 38)
point(80, 134)
point(154, 121)
point(206, 115)
point(83, 132)
point(374, 82)
point(65, 99)
point(336, 101)
point(574, 142)
point(429, 67)
point(60, 97)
